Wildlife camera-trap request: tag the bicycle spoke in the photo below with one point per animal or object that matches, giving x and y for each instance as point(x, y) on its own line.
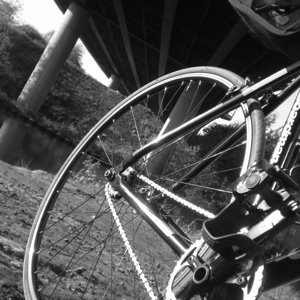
point(105, 151)
point(77, 249)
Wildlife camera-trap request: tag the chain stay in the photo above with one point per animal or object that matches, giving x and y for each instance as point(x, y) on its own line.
point(108, 192)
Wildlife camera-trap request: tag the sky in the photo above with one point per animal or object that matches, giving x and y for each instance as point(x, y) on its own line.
point(45, 16)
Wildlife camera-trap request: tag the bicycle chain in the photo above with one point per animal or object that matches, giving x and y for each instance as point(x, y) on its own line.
point(128, 246)
point(258, 273)
point(176, 198)
point(123, 234)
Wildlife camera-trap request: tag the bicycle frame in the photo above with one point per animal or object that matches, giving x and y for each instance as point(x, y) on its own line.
point(226, 106)
point(278, 271)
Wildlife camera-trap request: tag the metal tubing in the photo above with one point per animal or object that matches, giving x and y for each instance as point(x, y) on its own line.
point(217, 111)
point(188, 126)
point(210, 157)
point(178, 244)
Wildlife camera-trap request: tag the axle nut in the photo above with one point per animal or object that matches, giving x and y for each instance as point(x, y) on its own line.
point(109, 175)
point(252, 181)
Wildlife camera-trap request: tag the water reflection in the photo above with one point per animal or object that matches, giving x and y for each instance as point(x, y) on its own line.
point(32, 147)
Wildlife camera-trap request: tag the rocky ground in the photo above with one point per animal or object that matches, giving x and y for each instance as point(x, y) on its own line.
point(21, 191)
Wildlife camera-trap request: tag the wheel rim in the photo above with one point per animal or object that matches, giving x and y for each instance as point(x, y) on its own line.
point(66, 246)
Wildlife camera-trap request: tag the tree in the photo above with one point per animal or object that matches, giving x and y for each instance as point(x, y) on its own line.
point(18, 58)
point(8, 14)
point(9, 11)
point(33, 34)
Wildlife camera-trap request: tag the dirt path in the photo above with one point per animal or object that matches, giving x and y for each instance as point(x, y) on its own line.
point(21, 191)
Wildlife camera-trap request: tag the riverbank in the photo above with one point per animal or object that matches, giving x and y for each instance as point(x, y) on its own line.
point(21, 191)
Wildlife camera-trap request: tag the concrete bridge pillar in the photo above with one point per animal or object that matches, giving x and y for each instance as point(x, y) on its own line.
point(53, 58)
point(43, 76)
point(184, 110)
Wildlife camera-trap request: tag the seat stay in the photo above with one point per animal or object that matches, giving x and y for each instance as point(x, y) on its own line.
point(173, 135)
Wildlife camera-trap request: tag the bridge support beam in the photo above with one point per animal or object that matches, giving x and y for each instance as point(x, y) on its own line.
point(185, 109)
point(53, 58)
point(43, 76)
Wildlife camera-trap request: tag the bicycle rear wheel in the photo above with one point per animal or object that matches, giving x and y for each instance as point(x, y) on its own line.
point(75, 251)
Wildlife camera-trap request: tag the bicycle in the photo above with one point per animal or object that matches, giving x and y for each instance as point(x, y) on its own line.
point(170, 195)
point(111, 227)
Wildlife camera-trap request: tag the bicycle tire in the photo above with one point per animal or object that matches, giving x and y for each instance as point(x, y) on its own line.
point(51, 270)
